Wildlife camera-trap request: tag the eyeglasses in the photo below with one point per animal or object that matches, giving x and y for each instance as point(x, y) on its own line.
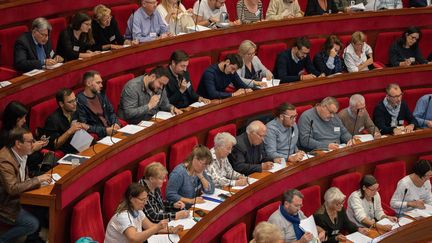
point(250, 54)
point(290, 117)
point(74, 101)
point(373, 190)
point(142, 199)
point(43, 34)
point(30, 141)
point(332, 113)
point(395, 96)
point(106, 18)
point(340, 203)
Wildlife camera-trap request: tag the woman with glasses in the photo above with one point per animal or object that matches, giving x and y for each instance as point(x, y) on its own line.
point(405, 51)
point(328, 61)
point(331, 217)
point(249, 11)
point(364, 205)
point(358, 54)
point(157, 208)
point(252, 70)
point(129, 224)
point(189, 180)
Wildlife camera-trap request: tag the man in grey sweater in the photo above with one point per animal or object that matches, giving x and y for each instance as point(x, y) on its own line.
point(321, 128)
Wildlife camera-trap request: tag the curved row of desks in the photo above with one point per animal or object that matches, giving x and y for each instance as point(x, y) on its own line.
point(31, 90)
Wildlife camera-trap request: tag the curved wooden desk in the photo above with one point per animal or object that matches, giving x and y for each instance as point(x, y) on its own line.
point(418, 231)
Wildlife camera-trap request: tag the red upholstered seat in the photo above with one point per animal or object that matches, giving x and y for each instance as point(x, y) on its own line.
point(426, 157)
point(58, 25)
point(388, 175)
point(301, 109)
point(302, 4)
point(87, 219)
point(159, 157)
point(114, 87)
point(268, 53)
point(180, 150)
point(188, 3)
point(411, 96)
point(40, 112)
point(231, 128)
point(425, 42)
point(311, 200)
point(372, 100)
point(122, 14)
point(347, 183)
point(197, 66)
point(7, 41)
point(7, 73)
point(346, 40)
point(316, 46)
point(114, 190)
point(265, 4)
point(231, 7)
point(265, 212)
point(223, 54)
point(382, 45)
point(236, 234)
point(343, 102)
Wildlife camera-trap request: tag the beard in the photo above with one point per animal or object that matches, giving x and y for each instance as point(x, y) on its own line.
point(153, 88)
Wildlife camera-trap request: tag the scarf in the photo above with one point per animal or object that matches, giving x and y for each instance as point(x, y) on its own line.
point(295, 221)
point(393, 111)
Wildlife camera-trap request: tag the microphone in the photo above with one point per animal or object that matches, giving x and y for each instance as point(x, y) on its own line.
point(131, 23)
point(310, 134)
point(176, 17)
point(373, 207)
point(112, 133)
point(427, 108)
point(229, 185)
point(193, 206)
point(247, 85)
point(289, 143)
point(355, 123)
point(196, 18)
point(403, 199)
point(159, 102)
point(261, 11)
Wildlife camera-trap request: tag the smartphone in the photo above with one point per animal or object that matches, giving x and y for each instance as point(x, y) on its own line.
point(44, 138)
point(223, 196)
point(200, 213)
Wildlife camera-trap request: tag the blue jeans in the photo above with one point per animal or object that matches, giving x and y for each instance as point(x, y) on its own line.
point(25, 224)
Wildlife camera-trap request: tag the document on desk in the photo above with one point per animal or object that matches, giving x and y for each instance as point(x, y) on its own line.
point(307, 156)
point(187, 223)
point(163, 115)
point(131, 129)
point(308, 225)
point(33, 72)
point(198, 104)
point(207, 205)
point(4, 84)
point(358, 237)
point(145, 123)
point(108, 140)
point(365, 137)
point(81, 140)
point(67, 159)
point(402, 221)
point(215, 195)
point(164, 238)
point(277, 166)
point(59, 64)
point(250, 180)
point(415, 213)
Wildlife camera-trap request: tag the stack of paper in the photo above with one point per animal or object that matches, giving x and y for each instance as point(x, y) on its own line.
point(277, 166)
point(250, 180)
point(197, 28)
point(67, 159)
point(207, 205)
point(54, 66)
point(4, 84)
point(365, 137)
point(272, 82)
point(163, 115)
point(402, 221)
point(198, 104)
point(187, 223)
point(145, 123)
point(131, 129)
point(358, 237)
point(215, 196)
point(164, 238)
point(33, 72)
point(108, 140)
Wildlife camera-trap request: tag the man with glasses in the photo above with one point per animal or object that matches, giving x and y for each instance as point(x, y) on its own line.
point(392, 113)
point(209, 12)
point(62, 125)
point(33, 49)
point(357, 115)
point(146, 24)
point(248, 155)
point(281, 139)
point(321, 128)
point(291, 64)
point(14, 181)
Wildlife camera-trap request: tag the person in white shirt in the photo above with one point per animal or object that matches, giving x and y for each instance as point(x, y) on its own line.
point(417, 188)
point(129, 223)
point(364, 205)
point(358, 54)
point(209, 12)
point(174, 13)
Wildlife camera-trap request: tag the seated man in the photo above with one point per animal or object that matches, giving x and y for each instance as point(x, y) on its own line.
point(357, 115)
point(247, 155)
point(281, 139)
point(179, 89)
point(283, 9)
point(94, 109)
point(321, 128)
point(288, 216)
point(423, 111)
point(33, 49)
point(391, 113)
point(209, 12)
point(217, 77)
point(143, 96)
point(62, 125)
point(291, 64)
point(345, 5)
point(14, 181)
point(146, 24)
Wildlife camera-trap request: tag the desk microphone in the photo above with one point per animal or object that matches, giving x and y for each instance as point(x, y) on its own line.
point(229, 185)
point(427, 108)
point(176, 17)
point(131, 23)
point(289, 143)
point(400, 208)
point(310, 134)
point(261, 12)
point(355, 123)
point(193, 206)
point(196, 18)
point(159, 102)
point(248, 85)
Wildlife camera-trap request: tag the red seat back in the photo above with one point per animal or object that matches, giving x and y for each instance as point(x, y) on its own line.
point(87, 219)
point(231, 7)
point(114, 87)
point(316, 46)
point(425, 43)
point(180, 150)
point(122, 14)
point(236, 234)
point(58, 25)
point(343, 102)
point(311, 200)
point(303, 4)
point(426, 157)
point(7, 73)
point(40, 112)
point(388, 175)
point(159, 157)
point(301, 109)
point(411, 96)
point(372, 100)
point(223, 54)
point(265, 212)
point(7, 40)
point(265, 4)
point(114, 190)
point(197, 66)
point(347, 183)
point(268, 53)
point(188, 3)
point(231, 128)
point(382, 45)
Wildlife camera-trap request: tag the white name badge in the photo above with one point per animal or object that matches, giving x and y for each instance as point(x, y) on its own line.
point(153, 34)
point(361, 128)
point(336, 129)
point(52, 54)
point(188, 85)
point(401, 122)
point(293, 135)
point(112, 38)
point(76, 48)
point(393, 124)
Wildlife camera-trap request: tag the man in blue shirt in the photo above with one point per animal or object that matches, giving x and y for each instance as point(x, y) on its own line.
point(423, 111)
point(217, 77)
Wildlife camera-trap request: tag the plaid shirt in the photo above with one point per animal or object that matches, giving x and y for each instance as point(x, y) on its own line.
point(157, 209)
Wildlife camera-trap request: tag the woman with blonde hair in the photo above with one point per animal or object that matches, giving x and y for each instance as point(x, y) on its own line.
point(170, 10)
point(358, 54)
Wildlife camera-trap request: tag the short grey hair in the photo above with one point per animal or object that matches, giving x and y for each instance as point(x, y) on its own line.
point(224, 138)
point(267, 232)
point(253, 127)
point(41, 24)
point(288, 196)
point(330, 101)
point(333, 194)
point(355, 99)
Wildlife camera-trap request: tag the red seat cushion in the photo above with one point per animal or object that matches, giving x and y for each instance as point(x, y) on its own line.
point(382, 45)
point(114, 87)
point(197, 66)
point(268, 53)
point(231, 128)
point(265, 212)
point(372, 100)
point(236, 234)
point(7, 39)
point(114, 191)
point(58, 25)
point(411, 96)
point(40, 112)
point(122, 14)
point(87, 219)
point(347, 183)
point(311, 200)
point(316, 46)
point(180, 150)
point(223, 54)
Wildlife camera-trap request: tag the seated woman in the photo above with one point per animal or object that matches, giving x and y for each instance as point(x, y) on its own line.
point(77, 41)
point(156, 208)
point(331, 216)
point(189, 180)
point(283, 9)
point(364, 205)
point(320, 7)
point(265, 232)
point(405, 51)
point(414, 189)
point(358, 54)
point(221, 170)
point(105, 30)
point(249, 11)
point(252, 70)
point(170, 10)
point(129, 224)
point(328, 61)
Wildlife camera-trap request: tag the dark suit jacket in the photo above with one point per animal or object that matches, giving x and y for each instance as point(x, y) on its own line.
point(25, 55)
point(177, 98)
point(382, 118)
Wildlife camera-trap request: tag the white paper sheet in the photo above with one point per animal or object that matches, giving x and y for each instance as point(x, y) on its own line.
point(365, 137)
point(308, 225)
point(131, 129)
point(4, 84)
point(33, 72)
point(271, 83)
point(67, 159)
point(216, 194)
point(358, 7)
point(145, 123)
point(402, 221)
point(187, 223)
point(54, 66)
point(198, 104)
point(163, 238)
point(415, 213)
point(81, 140)
point(358, 237)
point(109, 140)
point(250, 179)
point(197, 28)
point(307, 156)
point(163, 115)
point(277, 166)
point(207, 205)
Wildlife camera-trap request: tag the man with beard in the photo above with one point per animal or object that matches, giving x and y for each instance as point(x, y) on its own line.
point(62, 125)
point(143, 96)
point(179, 89)
point(94, 109)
